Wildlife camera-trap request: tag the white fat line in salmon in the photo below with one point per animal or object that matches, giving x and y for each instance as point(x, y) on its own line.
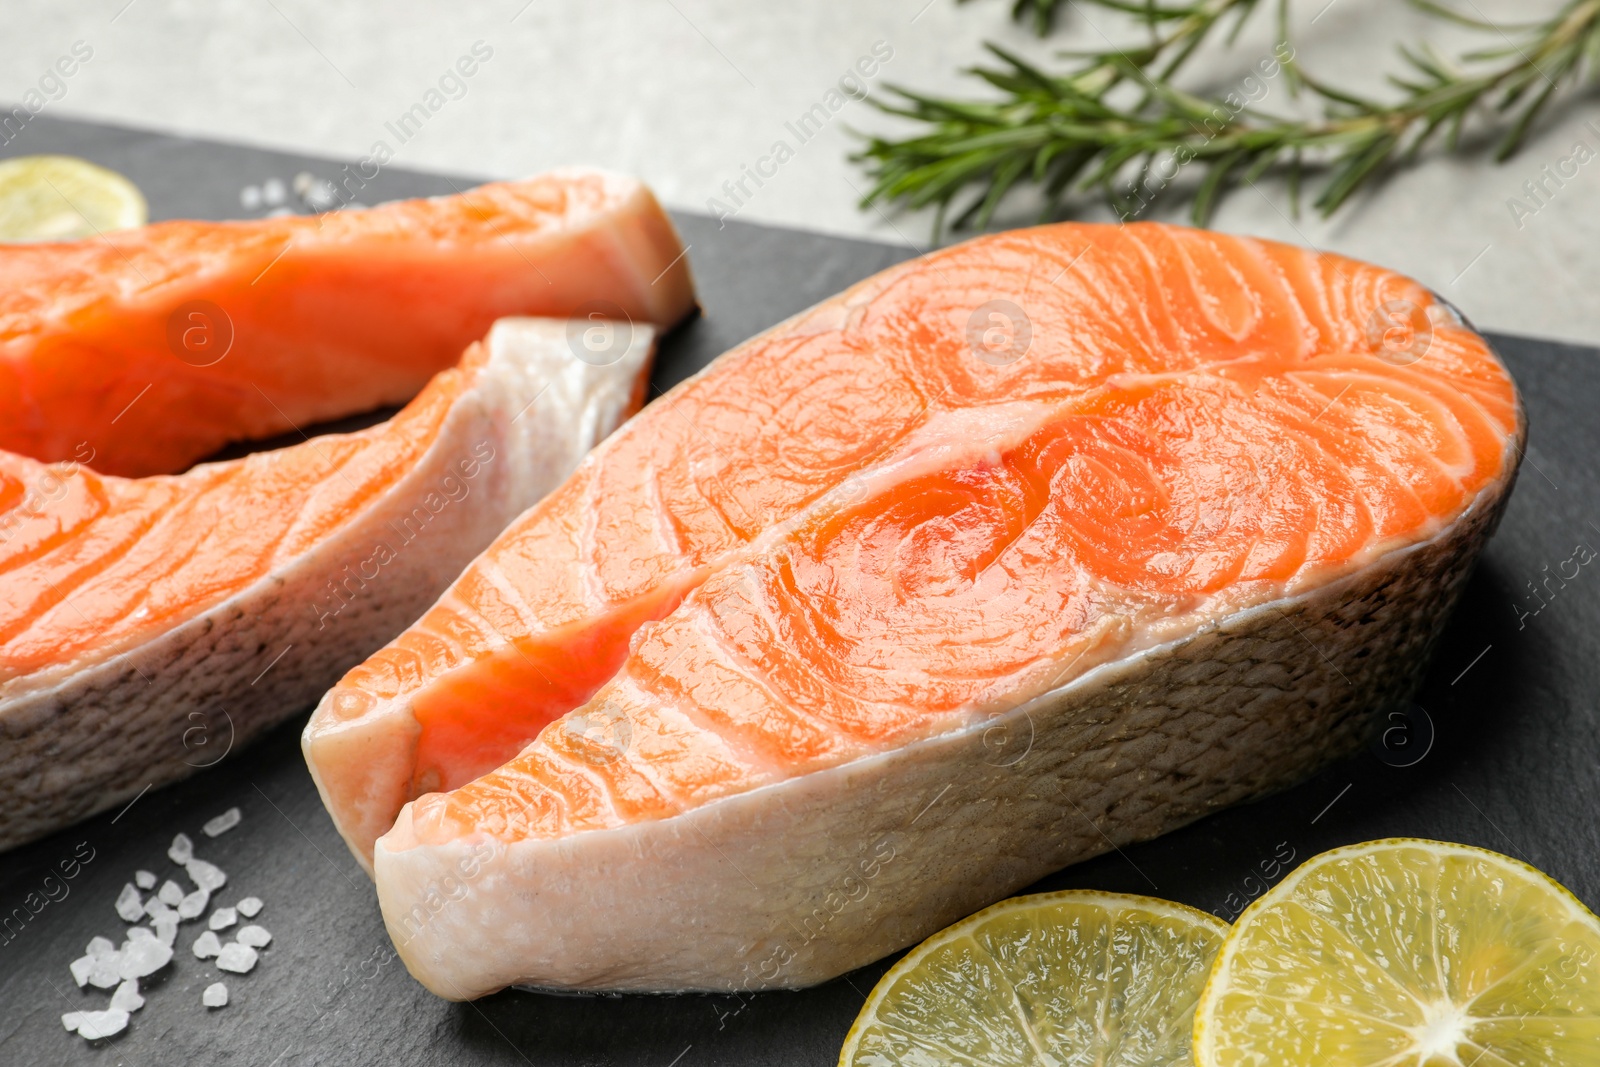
point(354, 579)
point(972, 437)
point(51, 488)
point(980, 437)
point(53, 889)
point(851, 85)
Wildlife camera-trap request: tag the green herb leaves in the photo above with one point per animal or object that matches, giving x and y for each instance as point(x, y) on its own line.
point(1115, 122)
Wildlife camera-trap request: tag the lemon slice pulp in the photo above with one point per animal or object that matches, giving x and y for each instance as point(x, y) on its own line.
point(1406, 953)
point(1058, 978)
point(62, 198)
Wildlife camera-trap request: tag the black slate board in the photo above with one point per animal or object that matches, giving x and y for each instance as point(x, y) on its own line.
point(1505, 755)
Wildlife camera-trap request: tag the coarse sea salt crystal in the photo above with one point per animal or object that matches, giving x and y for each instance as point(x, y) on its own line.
point(254, 936)
point(127, 997)
point(222, 823)
point(94, 1025)
point(129, 904)
point(81, 968)
point(207, 876)
point(106, 971)
point(146, 951)
point(182, 850)
point(144, 957)
point(194, 905)
point(236, 958)
point(206, 946)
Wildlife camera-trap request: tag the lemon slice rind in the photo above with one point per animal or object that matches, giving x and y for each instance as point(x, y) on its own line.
point(64, 198)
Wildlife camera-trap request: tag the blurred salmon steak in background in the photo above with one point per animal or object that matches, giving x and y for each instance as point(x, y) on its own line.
point(146, 612)
point(1033, 546)
point(323, 316)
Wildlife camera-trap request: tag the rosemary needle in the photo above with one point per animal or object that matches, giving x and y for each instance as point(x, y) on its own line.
point(1076, 130)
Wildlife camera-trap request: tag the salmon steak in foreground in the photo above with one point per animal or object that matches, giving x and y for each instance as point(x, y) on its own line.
point(150, 625)
point(1017, 552)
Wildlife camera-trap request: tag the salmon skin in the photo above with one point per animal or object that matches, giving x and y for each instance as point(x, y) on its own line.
point(253, 329)
point(151, 625)
point(1028, 548)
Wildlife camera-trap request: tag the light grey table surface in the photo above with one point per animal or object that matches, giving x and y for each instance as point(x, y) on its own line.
point(687, 93)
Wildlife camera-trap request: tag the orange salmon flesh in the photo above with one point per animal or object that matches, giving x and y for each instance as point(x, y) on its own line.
point(132, 594)
point(956, 486)
point(245, 330)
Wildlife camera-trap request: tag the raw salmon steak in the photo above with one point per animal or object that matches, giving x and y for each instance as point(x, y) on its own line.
point(150, 625)
point(1017, 552)
point(252, 329)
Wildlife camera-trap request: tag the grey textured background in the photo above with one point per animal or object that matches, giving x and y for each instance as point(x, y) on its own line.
point(1507, 756)
point(687, 92)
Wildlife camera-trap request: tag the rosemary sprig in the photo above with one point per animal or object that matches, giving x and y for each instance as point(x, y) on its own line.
point(1065, 133)
point(1046, 130)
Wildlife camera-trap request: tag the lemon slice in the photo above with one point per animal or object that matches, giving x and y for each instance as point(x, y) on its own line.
point(62, 198)
point(1059, 979)
point(1406, 954)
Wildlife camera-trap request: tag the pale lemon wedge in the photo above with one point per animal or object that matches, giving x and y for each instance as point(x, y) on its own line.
point(1055, 979)
point(1406, 953)
point(62, 198)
